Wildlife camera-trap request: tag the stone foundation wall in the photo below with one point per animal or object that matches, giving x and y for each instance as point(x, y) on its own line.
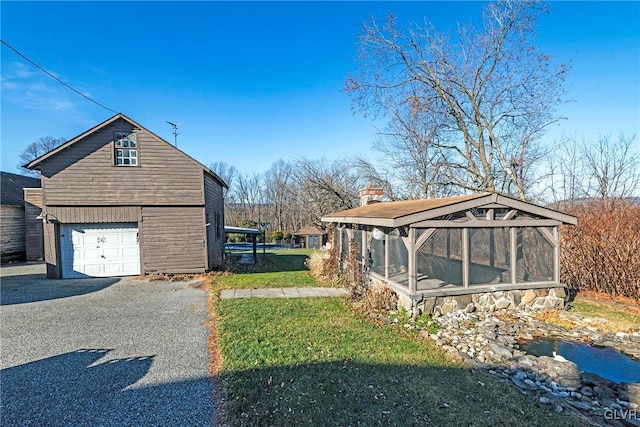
point(489, 302)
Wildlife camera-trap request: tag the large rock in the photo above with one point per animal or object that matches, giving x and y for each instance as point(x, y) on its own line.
point(500, 350)
point(630, 392)
point(502, 302)
point(528, 297)
point(515, 297)
point(568, 374)
point(484, 300)
point(449, 307)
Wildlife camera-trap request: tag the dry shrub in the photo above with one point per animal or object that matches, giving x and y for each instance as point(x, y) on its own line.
point(354, 282)
point(316, 265)
point(324, 266)
point(328, 270)
point(602, 253)
point(331, 267)
point(380, 298)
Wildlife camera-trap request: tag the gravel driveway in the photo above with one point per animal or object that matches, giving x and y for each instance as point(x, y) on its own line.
point(102, 351)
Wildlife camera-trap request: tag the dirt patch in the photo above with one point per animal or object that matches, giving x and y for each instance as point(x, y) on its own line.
point(202, 284)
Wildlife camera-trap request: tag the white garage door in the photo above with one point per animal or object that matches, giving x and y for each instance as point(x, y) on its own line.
point(99, 250)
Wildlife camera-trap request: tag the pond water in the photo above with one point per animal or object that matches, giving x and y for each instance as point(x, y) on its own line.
point(607, 362)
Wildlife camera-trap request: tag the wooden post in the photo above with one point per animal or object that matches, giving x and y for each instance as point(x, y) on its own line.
point(466, 257)
point(492, 240)
point(386, 256)
point(364, 255)
point(556, 254)
point(411, 250)
point(513, 243)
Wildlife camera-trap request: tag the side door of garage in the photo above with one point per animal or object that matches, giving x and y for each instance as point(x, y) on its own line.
point(99, 250)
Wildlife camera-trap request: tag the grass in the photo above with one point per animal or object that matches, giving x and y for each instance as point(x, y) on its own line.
point(616, 320)
point(281, 269)
point(313, 362)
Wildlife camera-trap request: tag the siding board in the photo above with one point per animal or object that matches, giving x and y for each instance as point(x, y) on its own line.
point(33, 233)
point(12, 232)
point(173, 239)
point(93, 214)
point(214, 211)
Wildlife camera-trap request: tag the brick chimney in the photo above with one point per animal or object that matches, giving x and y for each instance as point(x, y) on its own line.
point(370, 194)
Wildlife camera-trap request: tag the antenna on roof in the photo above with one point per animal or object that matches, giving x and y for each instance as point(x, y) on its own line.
point(175, 131)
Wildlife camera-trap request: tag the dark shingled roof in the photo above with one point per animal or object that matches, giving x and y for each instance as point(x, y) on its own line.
point(402, 213)
point(11, 186)
point(402, 208)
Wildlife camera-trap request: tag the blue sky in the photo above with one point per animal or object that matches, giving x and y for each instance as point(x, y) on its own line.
point(256, 82)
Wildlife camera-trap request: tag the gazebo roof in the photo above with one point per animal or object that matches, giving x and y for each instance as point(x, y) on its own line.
point(406, 212)
point(310, 230)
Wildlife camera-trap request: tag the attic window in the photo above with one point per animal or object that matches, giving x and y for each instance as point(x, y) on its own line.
point(126, 149)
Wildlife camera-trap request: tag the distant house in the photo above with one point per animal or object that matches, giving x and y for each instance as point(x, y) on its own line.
point(119, 200)
point(12, 219)
point(311, 237)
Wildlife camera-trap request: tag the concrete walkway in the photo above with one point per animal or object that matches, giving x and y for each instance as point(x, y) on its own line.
point(282, 293)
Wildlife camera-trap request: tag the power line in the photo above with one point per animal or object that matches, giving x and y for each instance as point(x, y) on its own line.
point(55, 78)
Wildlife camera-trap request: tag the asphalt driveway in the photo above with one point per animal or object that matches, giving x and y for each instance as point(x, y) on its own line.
point(107, 352)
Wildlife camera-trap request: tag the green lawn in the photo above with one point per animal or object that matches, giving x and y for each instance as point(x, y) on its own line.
point(312, 362)
point(281, 269)
point(616, 318)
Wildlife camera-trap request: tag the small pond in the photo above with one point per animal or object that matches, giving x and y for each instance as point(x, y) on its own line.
point(607, 362)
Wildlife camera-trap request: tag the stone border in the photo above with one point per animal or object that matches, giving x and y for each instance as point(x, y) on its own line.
point(490, 344)
point(490, 302)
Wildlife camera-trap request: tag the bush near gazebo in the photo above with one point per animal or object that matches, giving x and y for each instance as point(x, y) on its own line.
point(602, 253)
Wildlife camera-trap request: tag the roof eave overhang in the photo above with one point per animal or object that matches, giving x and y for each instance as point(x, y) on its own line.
point(415, 217)
point(483, 200)
point(35, 164)
point(383, 222)
point(537, 210)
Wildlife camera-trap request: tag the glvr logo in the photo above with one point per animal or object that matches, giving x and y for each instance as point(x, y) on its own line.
point(621, 414)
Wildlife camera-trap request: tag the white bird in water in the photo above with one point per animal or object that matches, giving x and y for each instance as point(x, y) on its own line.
point(559, 358)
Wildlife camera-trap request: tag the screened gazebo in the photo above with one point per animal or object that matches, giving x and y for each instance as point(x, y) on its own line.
point(465, 245)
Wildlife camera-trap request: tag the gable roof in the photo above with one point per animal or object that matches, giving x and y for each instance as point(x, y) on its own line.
point(405, 212)
point(11, 188)
point(310, 230)
point(35, 164)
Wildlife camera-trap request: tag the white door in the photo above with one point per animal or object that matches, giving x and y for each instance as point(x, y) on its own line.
point(99, 250)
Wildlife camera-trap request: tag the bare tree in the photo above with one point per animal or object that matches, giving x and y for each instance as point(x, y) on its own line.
point(482, 99)
point(561, 179)
point(326, 187)
point(379, 175)
point(249, 193)
point(278, 192)
point(36, 149)
point(224, 171)
point(412, 157)
point(601, 169)
point(611, 167)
